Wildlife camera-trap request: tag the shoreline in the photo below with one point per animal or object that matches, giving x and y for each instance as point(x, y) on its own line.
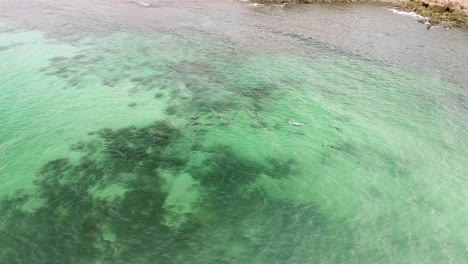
point(451, 13)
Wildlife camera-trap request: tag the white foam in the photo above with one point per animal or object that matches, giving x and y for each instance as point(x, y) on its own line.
point(413, 14)
point(256, 4)
point(140, 3)
point(143, 4)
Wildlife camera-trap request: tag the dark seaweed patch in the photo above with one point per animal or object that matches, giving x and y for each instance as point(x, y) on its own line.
point(280, 169)
point(71, 222)
point(73, 225)
point(158, 95)
point(225, 171)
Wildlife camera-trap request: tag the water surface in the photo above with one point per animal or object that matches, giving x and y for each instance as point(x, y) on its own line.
point(221, 132)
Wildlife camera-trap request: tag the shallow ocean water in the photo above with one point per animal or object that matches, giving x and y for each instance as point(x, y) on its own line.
point(220, 132)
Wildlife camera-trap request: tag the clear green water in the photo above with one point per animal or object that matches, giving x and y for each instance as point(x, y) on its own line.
point(131, 148)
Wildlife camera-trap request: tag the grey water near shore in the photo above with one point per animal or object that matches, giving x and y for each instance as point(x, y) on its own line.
point(227, 132)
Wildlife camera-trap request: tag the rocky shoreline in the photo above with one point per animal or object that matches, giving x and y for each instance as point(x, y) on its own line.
point(452, 13)
point(321, 1)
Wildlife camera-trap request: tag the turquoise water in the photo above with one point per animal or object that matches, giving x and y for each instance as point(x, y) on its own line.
point(189, 144)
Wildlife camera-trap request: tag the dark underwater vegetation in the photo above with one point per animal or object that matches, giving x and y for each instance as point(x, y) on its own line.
point(70, 225)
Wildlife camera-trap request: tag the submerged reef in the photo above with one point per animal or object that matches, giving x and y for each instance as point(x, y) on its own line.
point(67, 219)
point(70, 224)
